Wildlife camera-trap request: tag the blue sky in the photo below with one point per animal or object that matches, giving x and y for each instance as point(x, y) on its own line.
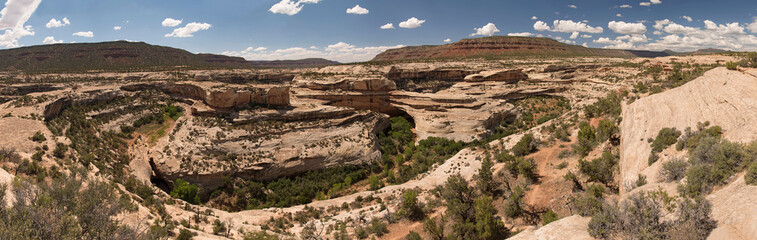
point(291, 29)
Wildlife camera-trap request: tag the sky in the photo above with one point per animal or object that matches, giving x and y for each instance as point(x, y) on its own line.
point(357, 30)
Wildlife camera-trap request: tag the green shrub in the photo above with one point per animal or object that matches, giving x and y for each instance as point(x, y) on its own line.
point(732, 65)
point(60, 150)
point(185, 234)
point(38, 137)
point(513, 205)
point(691, 139)
point(587, 203)
point(751, 174)
point(185, 191)
point(522, 167)
point(673, 170)
point(413, 236)
point(713, 161)
point(606, 129)
point(548, 217)
point(525, 146)
point(488, 226)
point(378, 227)
point(665, 138)
point(609, 105)
point(601, 169)
point(219, 227)
point(262, 235)
point(587, 139)
point(410, 208)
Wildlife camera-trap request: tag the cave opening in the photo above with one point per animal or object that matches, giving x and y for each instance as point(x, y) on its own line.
point(157, 180)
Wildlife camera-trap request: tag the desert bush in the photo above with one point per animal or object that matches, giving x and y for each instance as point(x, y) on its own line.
point(262, 235)
point(548, 217)
point(412, 235)
point(513, 204)
point(691, 138)
point(488, 226)
point(673, 170)
point(410, 207)
point(588, 202)
point(751, 174)
point(713, 161)
point(601, 169)
point(732, 65)
point(609, 105)
point(38, 137)
point(62, 209)
point(525, 146)
point(60, 150)
point(606, 129)
point(587, 139)
point(665, 138)
point(378, 227)
point(522, 167)
point(185, 234)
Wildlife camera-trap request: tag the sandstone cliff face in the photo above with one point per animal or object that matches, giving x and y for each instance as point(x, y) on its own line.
point(397, 74)
point(722, 97)
point(507, 76)
point(257, 149)
point(222, 98)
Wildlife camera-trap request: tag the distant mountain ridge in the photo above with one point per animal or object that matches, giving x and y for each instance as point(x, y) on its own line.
point(499, 46)
point(126, 55)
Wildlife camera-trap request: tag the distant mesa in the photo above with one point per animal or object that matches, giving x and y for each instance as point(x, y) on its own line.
point(121, 55)
point(503, 46)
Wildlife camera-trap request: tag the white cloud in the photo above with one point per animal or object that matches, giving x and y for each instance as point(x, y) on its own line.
point(189, 29)
point(411, 23)
point(541, 26)
point(574, 35)
point(753, 26)
point(487, 30)
point(290, 7)
point(387, 26)
point(54, 23)
point(534, 18)
point(572, 6)
point(687, 18)
point(586, 36)
point(51, 40)
point(625, 6)
point(627, 28)
point(657, 33)
point(646, 4)
point(655, 1)
point(521, 34)
point(619, 15)
point(357, 10)
point(447, 40)
point(341, 51)
point(117, 28)
point(170, 22)
point(88, 34)
point(14, 16)
point(567, 26)
point(263, 48)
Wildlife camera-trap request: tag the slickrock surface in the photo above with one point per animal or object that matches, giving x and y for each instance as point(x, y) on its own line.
point(573, 227)
point(722, 97)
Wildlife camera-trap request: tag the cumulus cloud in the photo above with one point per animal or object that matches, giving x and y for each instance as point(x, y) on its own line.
point(189, 29)
point(357, 10)
point(625, 6)
point(87, 34)
point(54, 23)
point(447, 40)
point(51, 40)
point(14, 16)
point(586, 36)
point(387, 26)
point(677, 37)
point(619, 15)
point(170, 22)
point(574, 35)
point(487, 30)
point(753, 26)
point(411, 23)
point(117, 28)
point(567, 26)
point(341, 51)
point(627, 28)
point(687, 18)
point(534, 18)
point(647, 4)
point(521, 34)
point(572, 6)
point(290, 7)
